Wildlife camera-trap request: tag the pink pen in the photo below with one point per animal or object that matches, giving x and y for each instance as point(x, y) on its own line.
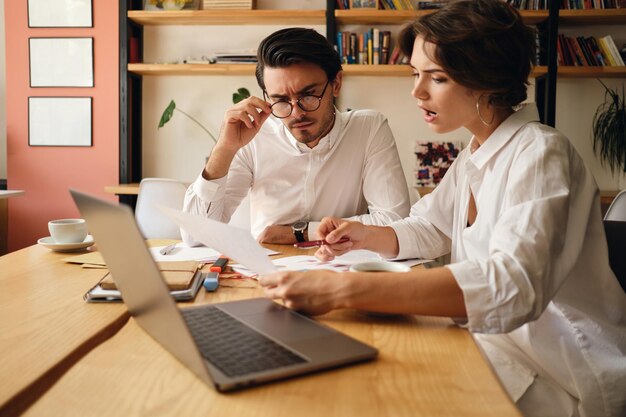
point(313, 243)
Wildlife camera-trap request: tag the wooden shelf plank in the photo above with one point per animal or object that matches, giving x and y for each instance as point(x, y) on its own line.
point(591, 72)
point(377, 70)
point(248, 69)
point(288, 17)
point(192, 69)
point(379, 17)
point(593, 17)
point(123, 189)
point(400, 17)
point(228, 17)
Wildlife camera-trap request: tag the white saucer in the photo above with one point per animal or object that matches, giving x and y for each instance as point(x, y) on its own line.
point(49, 243)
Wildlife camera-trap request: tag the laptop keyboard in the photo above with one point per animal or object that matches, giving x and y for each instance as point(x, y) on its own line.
point(232, 347)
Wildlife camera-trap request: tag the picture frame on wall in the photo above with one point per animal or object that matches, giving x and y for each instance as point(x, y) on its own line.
point(61, 62)
point(60, 121)
point(364, 4)
point(60, 13)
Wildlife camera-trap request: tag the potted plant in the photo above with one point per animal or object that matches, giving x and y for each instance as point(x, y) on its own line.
point(609, 130)
point(239, 95)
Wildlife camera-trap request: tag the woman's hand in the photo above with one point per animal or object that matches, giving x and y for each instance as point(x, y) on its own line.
point(380, 239)
point(332, 229)
point(312, 292)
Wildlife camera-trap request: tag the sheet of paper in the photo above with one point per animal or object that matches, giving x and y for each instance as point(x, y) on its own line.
point(339, 264)
point(237, 244)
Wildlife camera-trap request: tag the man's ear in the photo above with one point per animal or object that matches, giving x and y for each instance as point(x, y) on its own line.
point(337, 83)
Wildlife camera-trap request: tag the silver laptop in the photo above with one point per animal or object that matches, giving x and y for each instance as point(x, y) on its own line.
point(229, 345)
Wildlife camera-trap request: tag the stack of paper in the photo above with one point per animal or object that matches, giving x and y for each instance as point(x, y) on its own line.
point(234, 57)
point(228, 4)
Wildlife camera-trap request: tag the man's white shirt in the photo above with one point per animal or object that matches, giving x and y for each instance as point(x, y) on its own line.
point(354, 172)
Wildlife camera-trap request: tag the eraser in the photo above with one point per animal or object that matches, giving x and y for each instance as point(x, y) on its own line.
point(211, 282)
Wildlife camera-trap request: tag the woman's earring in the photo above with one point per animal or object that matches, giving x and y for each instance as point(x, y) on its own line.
point(480, 115)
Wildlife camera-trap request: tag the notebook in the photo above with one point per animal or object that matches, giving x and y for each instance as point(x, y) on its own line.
point(183, 279)
point(230, 345)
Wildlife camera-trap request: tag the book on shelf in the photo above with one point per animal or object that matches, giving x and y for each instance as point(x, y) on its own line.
point(395, 54)
point(384, 49)
point(606, 52)
point(430, 5)
point(589, 56)
point(612, 48)
point(234, 57)
point(387, 5)
point(228, 4)
point(376, 46)
point(372, 47)
point(588, 51)
point(580, 56)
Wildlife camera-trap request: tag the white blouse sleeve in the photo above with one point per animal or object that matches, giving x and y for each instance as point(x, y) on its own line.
point(536, 240)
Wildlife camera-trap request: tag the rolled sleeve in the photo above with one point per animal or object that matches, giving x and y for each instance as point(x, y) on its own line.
point(209, 190)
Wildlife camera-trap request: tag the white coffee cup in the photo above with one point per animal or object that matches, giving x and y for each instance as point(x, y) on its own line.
point(68, 230)
point(379, 266)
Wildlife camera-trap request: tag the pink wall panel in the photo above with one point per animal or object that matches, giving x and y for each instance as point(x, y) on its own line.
point(46, 173)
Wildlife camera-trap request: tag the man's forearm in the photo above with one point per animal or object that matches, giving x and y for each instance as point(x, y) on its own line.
point(218, 163)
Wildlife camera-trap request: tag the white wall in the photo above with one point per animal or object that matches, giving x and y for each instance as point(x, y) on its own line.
point(178, 150)
point(3, 118)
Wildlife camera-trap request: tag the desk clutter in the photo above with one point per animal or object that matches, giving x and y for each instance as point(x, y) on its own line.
point(184, 278)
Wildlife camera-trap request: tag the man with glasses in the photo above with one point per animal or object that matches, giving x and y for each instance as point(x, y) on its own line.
point(298, 157)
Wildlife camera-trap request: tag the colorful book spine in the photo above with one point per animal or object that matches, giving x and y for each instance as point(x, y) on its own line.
point(613, 50)
point(607, 53)
point(376, 46)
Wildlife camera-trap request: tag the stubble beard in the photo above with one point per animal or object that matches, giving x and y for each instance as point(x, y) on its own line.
point(305, 137)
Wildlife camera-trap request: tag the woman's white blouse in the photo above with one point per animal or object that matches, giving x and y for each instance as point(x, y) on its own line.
point(533, 267)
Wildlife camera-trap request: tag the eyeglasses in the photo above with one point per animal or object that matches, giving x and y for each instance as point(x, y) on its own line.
point(308, 103)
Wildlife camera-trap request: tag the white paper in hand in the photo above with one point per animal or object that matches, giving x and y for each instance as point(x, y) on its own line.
point(237, 244)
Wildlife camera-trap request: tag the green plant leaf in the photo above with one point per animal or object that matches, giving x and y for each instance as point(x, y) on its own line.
point(167, 114)
point(241, 94)
point(609, 130)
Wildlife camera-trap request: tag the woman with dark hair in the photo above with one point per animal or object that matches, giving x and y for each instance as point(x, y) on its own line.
point(520, 215)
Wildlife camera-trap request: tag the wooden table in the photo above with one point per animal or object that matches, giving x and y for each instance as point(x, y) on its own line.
point(45, 326)
point(91, 360)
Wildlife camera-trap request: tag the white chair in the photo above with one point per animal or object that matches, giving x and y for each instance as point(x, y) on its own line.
point(153, 223)
point(615, 230)
point(617, 209)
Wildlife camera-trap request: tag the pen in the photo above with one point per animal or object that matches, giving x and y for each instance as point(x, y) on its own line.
point(313, 243)
point(167, 249)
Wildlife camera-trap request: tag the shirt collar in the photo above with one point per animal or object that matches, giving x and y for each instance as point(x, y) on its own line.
point(327, 142)
point(502, 135)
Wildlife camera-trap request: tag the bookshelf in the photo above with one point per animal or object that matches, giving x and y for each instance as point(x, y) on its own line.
point(133, 19)
point(569, 19)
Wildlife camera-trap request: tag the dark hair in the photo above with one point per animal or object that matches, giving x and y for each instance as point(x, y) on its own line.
point(481, 44)
point(294, 45)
